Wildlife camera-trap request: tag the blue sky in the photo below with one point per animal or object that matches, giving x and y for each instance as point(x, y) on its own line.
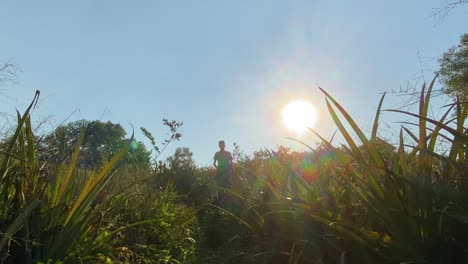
point(224, 68)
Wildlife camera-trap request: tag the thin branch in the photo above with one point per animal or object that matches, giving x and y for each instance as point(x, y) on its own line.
point(449, 6)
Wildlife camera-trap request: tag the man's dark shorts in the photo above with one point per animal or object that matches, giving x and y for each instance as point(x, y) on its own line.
point(222, 179)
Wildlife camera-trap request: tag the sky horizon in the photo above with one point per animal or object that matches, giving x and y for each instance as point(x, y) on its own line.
point(223, 68)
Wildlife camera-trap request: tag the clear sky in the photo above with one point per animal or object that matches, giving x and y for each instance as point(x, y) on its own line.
point(224, 68)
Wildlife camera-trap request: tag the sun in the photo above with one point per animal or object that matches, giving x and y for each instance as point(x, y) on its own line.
point(298, 116)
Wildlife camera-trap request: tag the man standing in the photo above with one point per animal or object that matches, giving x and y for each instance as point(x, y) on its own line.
point(223, 163)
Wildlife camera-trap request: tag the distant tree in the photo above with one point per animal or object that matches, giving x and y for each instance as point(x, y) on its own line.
point(454, 69)
point(179, 169)
point(182, 169)
point(182, 158)
point(101, 141)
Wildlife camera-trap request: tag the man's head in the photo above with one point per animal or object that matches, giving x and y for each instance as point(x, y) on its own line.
point(221, 144)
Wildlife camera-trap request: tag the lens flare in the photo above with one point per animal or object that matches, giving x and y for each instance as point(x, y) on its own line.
point(134, 145)
point(298, 116)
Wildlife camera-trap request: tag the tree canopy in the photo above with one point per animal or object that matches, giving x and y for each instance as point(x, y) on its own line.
point(454, 69)
point(101, 141)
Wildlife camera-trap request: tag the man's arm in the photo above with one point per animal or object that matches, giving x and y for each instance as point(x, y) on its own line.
point(231, 164)
point(214, 161)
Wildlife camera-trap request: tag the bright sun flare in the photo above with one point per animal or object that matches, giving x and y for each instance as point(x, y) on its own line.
point(298, 116)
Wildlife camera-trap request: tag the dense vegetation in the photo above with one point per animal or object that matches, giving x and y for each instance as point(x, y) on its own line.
point(88, 194)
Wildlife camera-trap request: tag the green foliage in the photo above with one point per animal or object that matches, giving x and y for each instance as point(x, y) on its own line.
point(61, 208)
point(150, 227)
point(365, 201)
point(454, 69)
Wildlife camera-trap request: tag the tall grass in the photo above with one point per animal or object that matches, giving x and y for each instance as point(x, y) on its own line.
point(371, 202)
point(50, 212)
